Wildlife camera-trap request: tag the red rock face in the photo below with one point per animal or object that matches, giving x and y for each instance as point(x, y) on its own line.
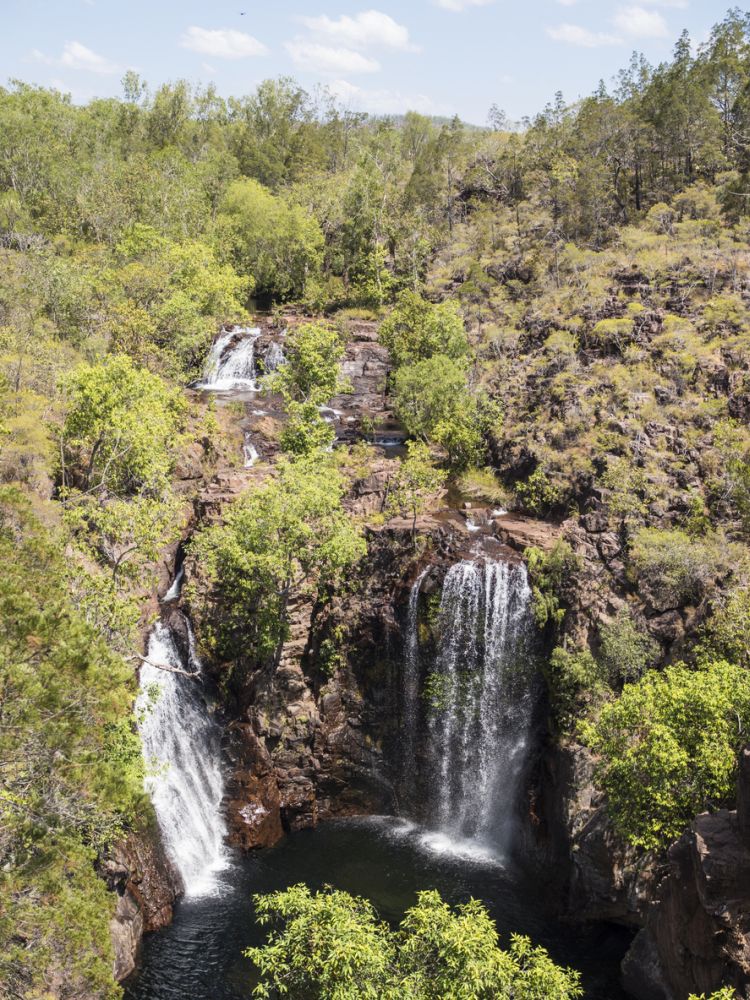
point(147, 887)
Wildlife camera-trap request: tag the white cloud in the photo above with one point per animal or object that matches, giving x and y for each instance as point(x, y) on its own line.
point(574, 34)
point(678, 4)
point(381, 102)
point(459, 5)
point(567, 3)
point(637, 22)
point(76, 56)
point(222, 43)
point(319, 58)
point(363, 30)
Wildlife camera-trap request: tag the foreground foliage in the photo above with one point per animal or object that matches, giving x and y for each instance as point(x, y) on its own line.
point(70, 769)
point(332, 946)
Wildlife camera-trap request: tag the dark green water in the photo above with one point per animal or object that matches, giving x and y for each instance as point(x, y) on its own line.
point(199, 957)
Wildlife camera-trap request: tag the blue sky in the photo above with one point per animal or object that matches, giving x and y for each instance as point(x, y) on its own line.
point(434, 56)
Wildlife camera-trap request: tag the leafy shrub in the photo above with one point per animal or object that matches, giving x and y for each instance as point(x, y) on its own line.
point(539, 493)
point(574, 680)
point(417, 330)
point(675, 569)
point(726, 634)
point(434, 403)
point(548, 573)
point(290, 532)
point(330, 944)
point(626, 649)
point(121, 428)
point(668, 748)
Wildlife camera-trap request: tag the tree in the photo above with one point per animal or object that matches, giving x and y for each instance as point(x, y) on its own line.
point(289, 533)
point(434, 403)
point(668, 748)
point(417, 330)
point(415, 482)
point(276, 243)
point(122, 427)
point(307, 381)
point(70, 769)
point(331, 945)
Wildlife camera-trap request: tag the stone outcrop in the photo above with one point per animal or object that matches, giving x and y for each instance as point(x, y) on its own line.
point(698, 927)
point(147, 886)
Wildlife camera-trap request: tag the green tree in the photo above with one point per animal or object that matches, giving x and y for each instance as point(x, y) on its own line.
point(277, 243)
point(414, 483)
point(434, 403)
point(668, 748)
point(330, 945)
point(307, 381)
point(290, 533)
point(417, 330)
point(122, 427)
point(70, 769)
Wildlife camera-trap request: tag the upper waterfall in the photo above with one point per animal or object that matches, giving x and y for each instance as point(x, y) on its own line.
point(231, 367)
point(181, 753)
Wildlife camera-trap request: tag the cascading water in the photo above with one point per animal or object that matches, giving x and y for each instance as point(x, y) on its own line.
point(480, 702)
point(181, 752)
point(249, 451)
point(410, 699)
point(274, 357)
point(231, 368)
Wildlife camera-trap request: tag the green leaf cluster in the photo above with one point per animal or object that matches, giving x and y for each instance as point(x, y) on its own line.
point(668, 748)
point(289, 533)
point(331, 945)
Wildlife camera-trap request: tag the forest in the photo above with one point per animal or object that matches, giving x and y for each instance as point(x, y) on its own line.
point(564, 305)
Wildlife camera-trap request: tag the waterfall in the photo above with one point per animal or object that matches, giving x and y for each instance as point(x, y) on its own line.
point(183, 774)
point(480, 699)
point(274, 357)
point(231, 368)
point(410, 695)
point(249, 451)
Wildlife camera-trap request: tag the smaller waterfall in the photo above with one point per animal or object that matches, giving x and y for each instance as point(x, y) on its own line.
point(250, 452)
point(181, 752)
point(231, 368)
point(480, 696)
point(274, 357)
point(410, 696)
point(173, 594)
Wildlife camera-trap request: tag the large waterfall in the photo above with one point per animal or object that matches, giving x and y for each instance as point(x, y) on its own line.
point(479, 701)
point(182, 757)
point(231, 367)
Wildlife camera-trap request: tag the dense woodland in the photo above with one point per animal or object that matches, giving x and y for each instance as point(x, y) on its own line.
point(567, 306)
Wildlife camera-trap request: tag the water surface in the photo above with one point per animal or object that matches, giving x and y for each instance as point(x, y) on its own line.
point(200, 955)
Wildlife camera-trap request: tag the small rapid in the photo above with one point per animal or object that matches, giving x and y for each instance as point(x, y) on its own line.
point(231, 361)
point(181, 751)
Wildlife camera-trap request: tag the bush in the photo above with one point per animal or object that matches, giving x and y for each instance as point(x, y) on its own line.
point(668, 748)
point(626, 649)
point(548, 573)
point(332, 945)
point(434, 403)
point(290, 532)
point(574, 680)
point(417, 330)
point(674, 569)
